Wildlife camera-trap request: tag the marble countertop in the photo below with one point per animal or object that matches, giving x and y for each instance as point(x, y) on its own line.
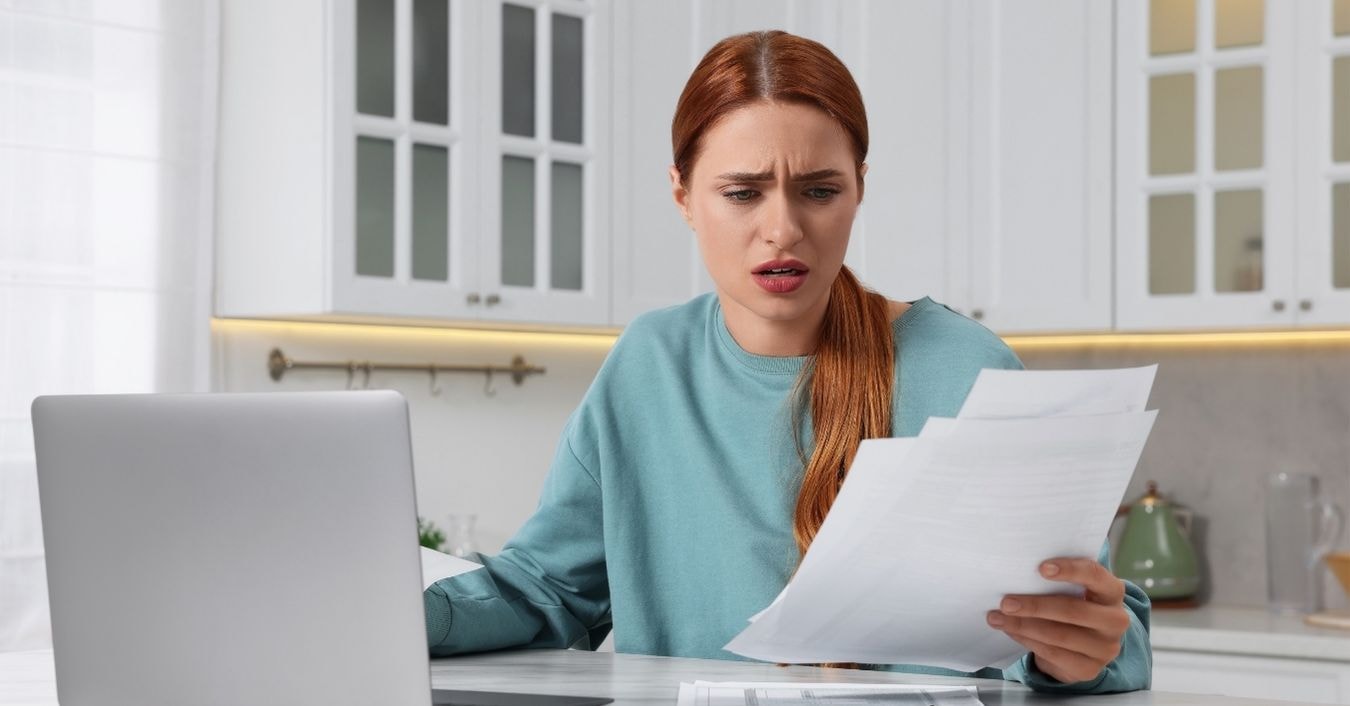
point(28, 678)
point(1247, 631)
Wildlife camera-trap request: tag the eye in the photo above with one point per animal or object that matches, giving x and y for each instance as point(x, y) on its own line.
point(821, 193)
point(740, 196)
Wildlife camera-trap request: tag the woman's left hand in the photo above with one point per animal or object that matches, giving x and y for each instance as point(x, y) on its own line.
point(1072, 638)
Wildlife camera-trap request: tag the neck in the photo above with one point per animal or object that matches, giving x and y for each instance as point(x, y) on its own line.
point(774, 337)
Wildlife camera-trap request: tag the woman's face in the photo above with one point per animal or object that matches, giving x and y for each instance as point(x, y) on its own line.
point(774, 187)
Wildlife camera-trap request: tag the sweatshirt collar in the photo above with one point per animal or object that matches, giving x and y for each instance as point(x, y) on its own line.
point(790, 365)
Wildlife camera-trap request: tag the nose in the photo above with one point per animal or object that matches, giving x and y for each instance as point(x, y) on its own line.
point(782, 226)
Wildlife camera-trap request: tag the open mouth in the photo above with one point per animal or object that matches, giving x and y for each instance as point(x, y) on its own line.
point(781, 276)
point(781, 267)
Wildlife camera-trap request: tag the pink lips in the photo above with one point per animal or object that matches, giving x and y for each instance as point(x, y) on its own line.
point(780, 283)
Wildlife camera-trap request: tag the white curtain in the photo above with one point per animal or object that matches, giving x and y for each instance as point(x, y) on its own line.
point(106, 158)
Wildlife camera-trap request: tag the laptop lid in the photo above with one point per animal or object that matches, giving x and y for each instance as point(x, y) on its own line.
point(232, 549)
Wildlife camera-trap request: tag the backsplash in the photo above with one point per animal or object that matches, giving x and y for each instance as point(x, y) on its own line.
point(1228, 417)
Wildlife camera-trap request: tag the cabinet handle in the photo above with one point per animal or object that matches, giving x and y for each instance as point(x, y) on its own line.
point(977, 314)
point(474, 298)
point(493, 299)
point(1277, 305)
point(1305, 305)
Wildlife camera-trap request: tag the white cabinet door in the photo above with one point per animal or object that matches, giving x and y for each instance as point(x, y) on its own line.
point(1251, 677)
point(1205, 216)
point(988, 185)
point(1040, 146)
point(910, 60)
point(656, 261)
point(1324, 163)
point(402, 126)
point(545, 184)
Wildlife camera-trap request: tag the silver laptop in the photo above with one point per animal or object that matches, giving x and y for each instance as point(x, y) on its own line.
point(232, 549)
point(237, 549)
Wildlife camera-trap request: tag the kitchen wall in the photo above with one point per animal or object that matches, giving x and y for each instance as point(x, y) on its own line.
point(1229, 415)
point(471, 453)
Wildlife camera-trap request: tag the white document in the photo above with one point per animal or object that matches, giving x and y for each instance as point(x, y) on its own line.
point(437, 566)
point(1002, 394)
point(929, 533)
point(703, 693)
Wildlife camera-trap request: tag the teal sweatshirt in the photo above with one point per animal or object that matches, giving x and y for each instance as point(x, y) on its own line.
point(667, 512)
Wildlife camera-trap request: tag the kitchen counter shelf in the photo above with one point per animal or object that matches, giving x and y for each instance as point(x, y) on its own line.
point(1247, 631)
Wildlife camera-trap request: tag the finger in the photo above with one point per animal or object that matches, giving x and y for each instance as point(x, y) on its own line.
point(1079, 640)
point(1111, 621)
point(1061, 664)
point(1102, 586)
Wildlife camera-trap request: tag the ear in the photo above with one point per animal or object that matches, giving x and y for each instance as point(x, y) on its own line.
point(862, 171)
point(680, 194)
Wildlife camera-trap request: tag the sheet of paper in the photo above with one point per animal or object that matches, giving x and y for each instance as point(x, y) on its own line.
point(928, 534)
point(437, 566)
point(1002, 394)
point(703, 693)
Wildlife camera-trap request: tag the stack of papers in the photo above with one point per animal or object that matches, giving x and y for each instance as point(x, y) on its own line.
point(702, 693)
point(929, 533)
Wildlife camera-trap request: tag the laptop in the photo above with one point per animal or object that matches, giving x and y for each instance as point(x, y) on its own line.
point(236, 549)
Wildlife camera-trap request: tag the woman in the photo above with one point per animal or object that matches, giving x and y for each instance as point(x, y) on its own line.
point(707, 451)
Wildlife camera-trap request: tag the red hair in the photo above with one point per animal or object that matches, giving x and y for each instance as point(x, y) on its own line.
point(848, 382)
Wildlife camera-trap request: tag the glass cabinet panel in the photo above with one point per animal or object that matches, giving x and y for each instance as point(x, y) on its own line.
point(518, 46)
point(1171, 26)
point(568, 205)
point(1171, 124)
point(517, 221)
point(1239, 23)
point(1238, 241)
point(431, 61)
point(375, 57)
point(1340, 235)
point(1238, 119)
point(374, 207)
point(1341, 18)
point(430, 212)
point(1171, 244)
point(1340, 109)
point(568, 44)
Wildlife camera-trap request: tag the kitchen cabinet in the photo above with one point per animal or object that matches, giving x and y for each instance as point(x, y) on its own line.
point(1252, 677)
point(1323, 137)
point(988, 185)
point(1249, 652)
point(1228, 174)
point(426, 159)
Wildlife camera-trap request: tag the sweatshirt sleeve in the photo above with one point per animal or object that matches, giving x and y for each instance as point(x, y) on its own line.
point(548, 586)
point(1130, 671)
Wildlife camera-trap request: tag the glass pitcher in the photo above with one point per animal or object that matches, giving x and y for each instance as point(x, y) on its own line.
point(1301, 527)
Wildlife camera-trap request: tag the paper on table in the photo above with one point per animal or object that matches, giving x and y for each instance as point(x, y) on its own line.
point(702, 693)
point(916, 550)
point(437, 566)
point(1001, 394)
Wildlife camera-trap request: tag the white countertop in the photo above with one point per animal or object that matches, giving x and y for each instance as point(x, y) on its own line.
point(1247, 631)
point(28, 678)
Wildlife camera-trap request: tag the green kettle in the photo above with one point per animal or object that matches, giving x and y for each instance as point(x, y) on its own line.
point(1155, 552)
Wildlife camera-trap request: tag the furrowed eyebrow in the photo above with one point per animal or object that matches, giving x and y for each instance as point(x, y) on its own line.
point(768, 176)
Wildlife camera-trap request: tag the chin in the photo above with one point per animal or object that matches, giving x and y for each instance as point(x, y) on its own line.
point(778, 307)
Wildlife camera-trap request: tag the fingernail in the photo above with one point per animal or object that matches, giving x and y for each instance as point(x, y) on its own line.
point(996, 619)
point(1049, 569)
point(1011, 605)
